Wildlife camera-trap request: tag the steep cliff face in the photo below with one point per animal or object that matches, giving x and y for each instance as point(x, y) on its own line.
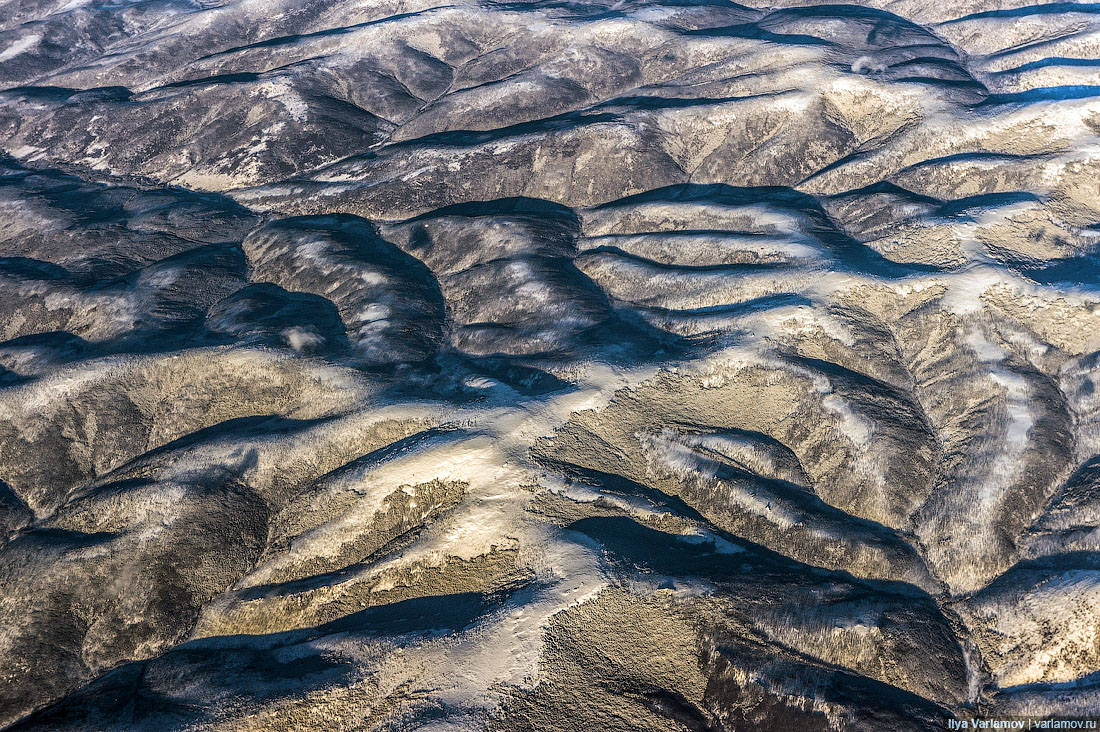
point(547, 365)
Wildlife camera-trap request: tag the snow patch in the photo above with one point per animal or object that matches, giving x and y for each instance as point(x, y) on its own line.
point(23, 44)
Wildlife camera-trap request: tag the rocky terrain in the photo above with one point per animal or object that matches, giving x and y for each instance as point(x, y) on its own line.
point(555, 365)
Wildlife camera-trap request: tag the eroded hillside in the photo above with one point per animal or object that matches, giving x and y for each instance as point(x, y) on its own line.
point(547, 365)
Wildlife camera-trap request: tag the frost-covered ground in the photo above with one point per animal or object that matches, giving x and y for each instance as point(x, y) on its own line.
point(548, 365)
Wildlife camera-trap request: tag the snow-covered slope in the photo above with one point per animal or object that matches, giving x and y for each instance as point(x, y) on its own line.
point(548, 365)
